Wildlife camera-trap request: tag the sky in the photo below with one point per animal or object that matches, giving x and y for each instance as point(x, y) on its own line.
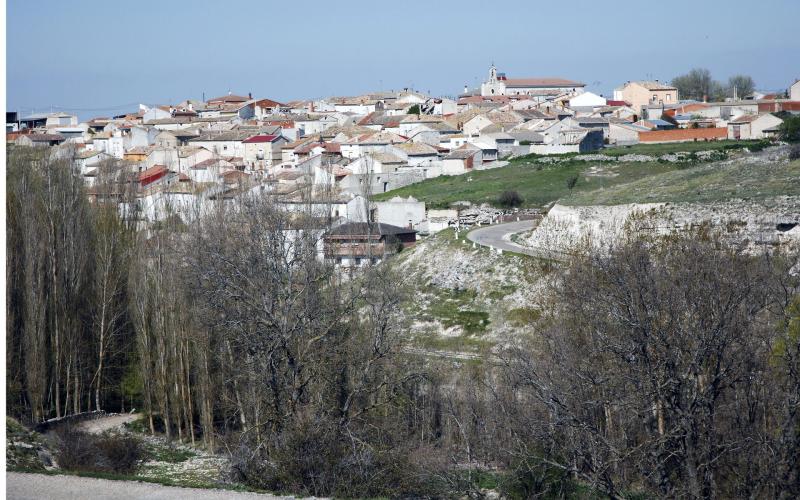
point(96, 58)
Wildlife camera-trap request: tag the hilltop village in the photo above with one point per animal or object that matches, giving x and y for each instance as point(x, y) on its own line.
point(335, 154)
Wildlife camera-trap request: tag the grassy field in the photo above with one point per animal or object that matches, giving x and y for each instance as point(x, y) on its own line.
point(541, 183)
point(702, 183)
point(537, 184)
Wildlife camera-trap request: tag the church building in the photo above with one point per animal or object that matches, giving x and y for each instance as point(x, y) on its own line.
point(539, 89)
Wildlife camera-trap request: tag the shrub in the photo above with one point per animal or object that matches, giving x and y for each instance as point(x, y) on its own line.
point(794, 153)
point(510, 199)
point(316, 457)
point(572, 181)
point(79, 451)
point(790, 129)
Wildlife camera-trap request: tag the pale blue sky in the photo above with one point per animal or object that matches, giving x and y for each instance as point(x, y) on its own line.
point(102, 57)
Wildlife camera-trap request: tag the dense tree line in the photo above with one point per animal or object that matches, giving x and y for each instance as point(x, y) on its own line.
point(667, 368)
point(698, 85)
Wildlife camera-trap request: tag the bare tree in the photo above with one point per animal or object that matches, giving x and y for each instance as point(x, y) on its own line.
point(650, 357)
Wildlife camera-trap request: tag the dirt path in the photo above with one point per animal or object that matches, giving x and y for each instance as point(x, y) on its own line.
point(102, 424)
point(40, 486)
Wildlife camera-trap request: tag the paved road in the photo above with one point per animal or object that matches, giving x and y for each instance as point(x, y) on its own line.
point(40, 486)
point(499, 236)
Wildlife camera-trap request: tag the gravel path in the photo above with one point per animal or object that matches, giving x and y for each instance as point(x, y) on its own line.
point(21, 486)
point(102, 424)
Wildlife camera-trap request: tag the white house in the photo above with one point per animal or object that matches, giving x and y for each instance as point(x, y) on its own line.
point(401, 212)
point(263, 150)
point(416, 153)
point(141, 137)
point(462, 160)
point(753, 126)
point(224, 143)
point(377, 163)
point(624, 134)
point(61, 120)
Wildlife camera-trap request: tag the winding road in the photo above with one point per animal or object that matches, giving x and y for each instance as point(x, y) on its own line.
point(498, 236)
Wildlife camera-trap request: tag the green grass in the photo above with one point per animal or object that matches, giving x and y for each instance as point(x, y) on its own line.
point(168, 454)
point(523, 316)
point(538, 184)
point(703, 183)
point(451, 309)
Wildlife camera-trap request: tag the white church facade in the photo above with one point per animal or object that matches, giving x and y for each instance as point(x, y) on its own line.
point(538, 89)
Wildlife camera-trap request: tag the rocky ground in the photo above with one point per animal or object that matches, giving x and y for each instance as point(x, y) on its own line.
point(738, 198)
point(468, 298)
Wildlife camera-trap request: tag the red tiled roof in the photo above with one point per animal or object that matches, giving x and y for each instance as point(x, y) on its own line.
point(152, 174)
point(684, 135)
point(228, 98)
point(268, 103)
point(260, 138)
point(687, 108)
point(612, 102)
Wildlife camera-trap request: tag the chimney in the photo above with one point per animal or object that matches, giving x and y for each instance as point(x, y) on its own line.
point(465, 88)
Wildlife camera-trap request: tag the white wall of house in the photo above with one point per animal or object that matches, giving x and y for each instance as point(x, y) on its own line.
point(622, 135)
point(473, 126)
point(400, 212)
point(754, 129)
point(446, 107)
point(197, 156)
point(116, 147)
point(61, 120)
point(454, 166)
point(794, 91)
point(155, 113)
point(222, 148)
point(141, 137)
point(359, 109)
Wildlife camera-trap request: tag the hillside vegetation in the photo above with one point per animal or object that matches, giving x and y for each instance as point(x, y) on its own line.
point(538, 184)
point(541, 180)
point(704, 183)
